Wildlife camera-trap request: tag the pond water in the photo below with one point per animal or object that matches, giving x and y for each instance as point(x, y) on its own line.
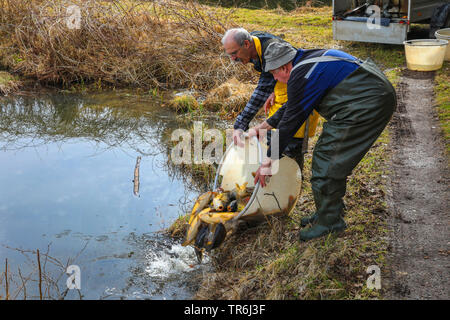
point(67, 165)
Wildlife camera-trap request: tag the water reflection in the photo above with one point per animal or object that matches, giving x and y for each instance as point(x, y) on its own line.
point(71, 167)
point(30, 122)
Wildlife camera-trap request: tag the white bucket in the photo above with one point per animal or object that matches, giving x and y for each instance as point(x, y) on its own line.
point(444, 34)
point(425, 54)
point(281, 191)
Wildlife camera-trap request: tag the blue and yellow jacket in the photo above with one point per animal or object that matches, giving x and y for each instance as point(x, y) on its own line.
point(266, 85)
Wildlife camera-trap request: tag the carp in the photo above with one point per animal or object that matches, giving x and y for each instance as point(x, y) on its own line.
point(236, 206)
point(200, 241)
point(200, 204)
point(232, 207)
point(221, 201)
point(218, 204)
point(241, 192)
point(210, 236)
point(216, 217)
point(211, 214)
point(215, 237)
point(191, 233)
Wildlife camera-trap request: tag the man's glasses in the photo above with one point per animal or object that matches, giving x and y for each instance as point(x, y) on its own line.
point(234, 53)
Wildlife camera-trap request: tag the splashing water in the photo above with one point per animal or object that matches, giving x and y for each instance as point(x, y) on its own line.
point(170, 263)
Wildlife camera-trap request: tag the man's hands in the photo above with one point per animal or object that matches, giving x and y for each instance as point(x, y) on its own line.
point(260, 130)
point(263, 171)
point(269, 103)
point(238, 136)
point(238, 133)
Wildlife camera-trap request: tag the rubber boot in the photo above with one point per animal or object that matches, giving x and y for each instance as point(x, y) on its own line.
point(318, 199)
point(319, 230)
point(309, 220)
point(329, 216)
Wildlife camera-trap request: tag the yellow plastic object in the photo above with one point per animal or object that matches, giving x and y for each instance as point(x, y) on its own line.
point(444, 34)
point(425, 54)
point(278, 196)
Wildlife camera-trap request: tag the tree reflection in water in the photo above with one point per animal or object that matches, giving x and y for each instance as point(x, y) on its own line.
point(119, 121)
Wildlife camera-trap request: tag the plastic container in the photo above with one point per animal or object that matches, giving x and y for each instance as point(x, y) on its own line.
point(425, 54)
point(281, 191)
point(444, 34)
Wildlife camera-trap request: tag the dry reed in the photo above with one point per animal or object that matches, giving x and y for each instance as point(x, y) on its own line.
point(231, 96)
point(44, 278)
point(164, 44)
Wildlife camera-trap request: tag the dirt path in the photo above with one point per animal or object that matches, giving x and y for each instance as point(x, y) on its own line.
point(419, 197)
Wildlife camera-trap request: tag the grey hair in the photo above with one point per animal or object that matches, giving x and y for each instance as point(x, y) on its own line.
point(239, 35)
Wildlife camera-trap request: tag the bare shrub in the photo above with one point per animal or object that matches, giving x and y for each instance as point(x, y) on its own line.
point(166, 44)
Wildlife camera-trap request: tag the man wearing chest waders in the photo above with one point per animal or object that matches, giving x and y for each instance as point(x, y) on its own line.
point(357, 101)
point(246, 47)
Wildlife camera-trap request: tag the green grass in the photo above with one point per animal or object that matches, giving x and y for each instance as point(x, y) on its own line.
point(310, 28)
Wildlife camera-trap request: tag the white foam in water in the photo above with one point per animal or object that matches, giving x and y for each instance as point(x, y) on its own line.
point(172, 262)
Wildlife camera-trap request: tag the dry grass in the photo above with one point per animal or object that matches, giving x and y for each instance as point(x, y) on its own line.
point(268, 261)
point(165, 44)
point(184, 103)
point(8, 83)
point(231, 96)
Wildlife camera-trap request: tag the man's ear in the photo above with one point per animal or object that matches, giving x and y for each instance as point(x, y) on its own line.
point(246, 44)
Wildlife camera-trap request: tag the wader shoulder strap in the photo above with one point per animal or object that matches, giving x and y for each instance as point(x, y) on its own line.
point(323, 59)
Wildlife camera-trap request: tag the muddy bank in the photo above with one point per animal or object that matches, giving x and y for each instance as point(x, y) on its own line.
point(419, 197)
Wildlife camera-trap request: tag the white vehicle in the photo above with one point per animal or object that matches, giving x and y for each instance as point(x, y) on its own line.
point(381, 21)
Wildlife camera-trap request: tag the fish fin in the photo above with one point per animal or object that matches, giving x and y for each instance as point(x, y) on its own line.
point(194, 209)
